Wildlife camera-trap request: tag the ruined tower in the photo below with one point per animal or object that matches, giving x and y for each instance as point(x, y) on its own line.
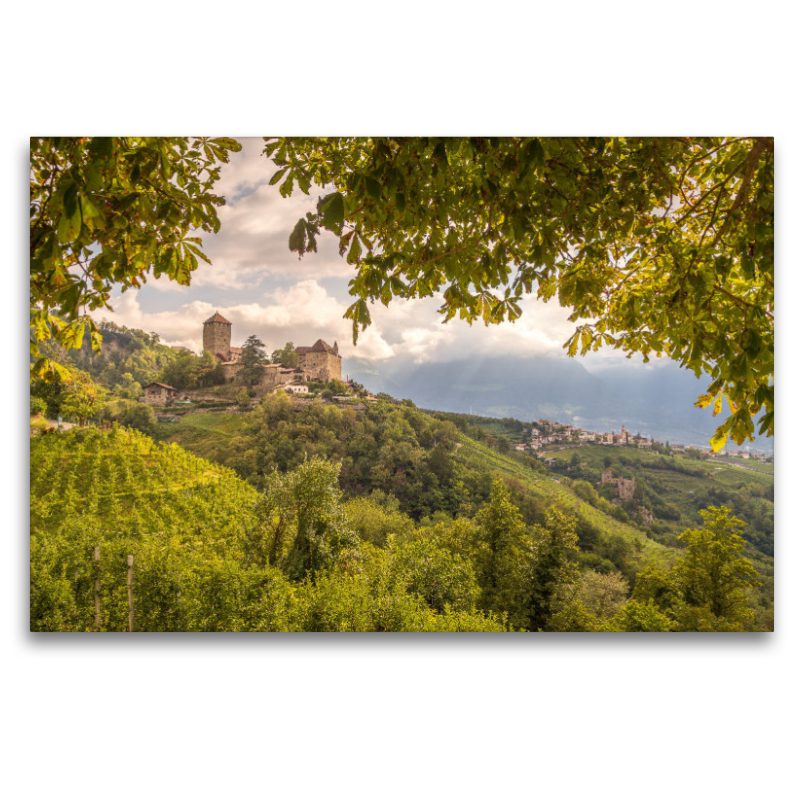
point(217, 336)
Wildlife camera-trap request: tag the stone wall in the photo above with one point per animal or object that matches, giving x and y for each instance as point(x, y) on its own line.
point(217, 338)
point(321, 366)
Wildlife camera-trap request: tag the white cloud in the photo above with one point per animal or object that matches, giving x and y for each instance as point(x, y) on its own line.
point(301, 314)
point(255, 224)
point(251, 252)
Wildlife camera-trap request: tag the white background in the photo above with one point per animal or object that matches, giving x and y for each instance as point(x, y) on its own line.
point(285, 716)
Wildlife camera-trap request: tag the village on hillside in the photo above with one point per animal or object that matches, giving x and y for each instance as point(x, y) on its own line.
point(544, 433)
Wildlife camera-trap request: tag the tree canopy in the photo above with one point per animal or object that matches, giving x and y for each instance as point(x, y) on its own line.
point(107, 211)
point(660, 246)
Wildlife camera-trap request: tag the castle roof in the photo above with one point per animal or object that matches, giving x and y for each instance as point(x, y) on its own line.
point(318, 347)
point(217, 318)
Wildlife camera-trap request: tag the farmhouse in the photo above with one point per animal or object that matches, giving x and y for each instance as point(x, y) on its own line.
point(159, 394)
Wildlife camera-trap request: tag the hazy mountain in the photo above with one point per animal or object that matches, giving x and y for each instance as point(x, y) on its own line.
point(657, 401)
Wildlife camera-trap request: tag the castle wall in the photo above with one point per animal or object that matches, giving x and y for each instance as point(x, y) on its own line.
point(322, 366)
point(229, 370)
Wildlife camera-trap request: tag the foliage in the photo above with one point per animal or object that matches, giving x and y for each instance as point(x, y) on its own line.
point(38, 406)
point(446, 581)
point(109, 211)
point(211, 553)
point(505, 556)
point(713, 573)
point(194, 532)
point(304, 527)
point(710, 587)
point(254, 357)
point(83, 398)
point(659, 246)
point(636, 617)
point(129, 357)
point(555, 566)
point(286, 355)
point(188, 371)
point(139, 416)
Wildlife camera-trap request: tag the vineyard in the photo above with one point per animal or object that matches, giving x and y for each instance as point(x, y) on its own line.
point(130, 534)
point(181, 519)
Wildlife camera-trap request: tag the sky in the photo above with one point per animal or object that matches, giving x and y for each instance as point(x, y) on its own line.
point(264, 289)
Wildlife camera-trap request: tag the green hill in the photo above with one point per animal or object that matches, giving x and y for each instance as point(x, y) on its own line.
point(675, 489)
point(197, 535)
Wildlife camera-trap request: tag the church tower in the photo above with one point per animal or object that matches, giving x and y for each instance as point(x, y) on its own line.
point(217, 336)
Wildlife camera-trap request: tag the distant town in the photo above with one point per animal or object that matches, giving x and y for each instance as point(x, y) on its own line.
point(545, 432)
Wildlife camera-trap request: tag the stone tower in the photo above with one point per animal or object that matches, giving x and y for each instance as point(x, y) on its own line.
point(217, 336)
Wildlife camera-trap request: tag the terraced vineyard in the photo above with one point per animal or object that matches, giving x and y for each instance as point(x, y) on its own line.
point(119, 491)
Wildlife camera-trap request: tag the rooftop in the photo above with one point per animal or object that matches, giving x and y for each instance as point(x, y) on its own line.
point(217, 318)
point(318, 347)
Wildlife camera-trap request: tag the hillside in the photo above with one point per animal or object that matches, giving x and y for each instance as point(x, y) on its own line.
point(434, 531)
point(656, 400)
point(211, 554)
point(433, 470)
point(675, 489)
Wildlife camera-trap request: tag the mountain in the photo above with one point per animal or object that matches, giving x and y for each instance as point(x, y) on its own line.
point(656, 400)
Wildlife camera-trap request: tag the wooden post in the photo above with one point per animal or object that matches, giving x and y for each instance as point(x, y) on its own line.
point(97, 588)
point(130, 593)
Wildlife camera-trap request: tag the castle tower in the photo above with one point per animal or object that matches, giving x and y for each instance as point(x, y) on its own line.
point(217, 336)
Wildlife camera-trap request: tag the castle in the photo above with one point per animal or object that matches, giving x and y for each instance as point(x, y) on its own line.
point(320, 362)
point(623, 487)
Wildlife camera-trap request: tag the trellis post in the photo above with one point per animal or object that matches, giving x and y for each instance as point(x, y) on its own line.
point(130, 593)
point(97, 588)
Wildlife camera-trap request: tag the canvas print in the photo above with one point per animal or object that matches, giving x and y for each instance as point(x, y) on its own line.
point(401, 384)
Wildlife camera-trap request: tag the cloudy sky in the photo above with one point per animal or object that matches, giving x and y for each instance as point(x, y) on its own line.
point(264, 289)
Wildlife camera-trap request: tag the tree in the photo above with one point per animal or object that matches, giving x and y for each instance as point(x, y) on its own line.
point(713, 574)
point(139, 416)
point(286, 356)
point(83, 398)
point(555, 567)
point(304, 528)
point(660, 246)
point(38, 406)
point(128, 387)
point(253, 360)
point(503, 556)
point(110, 211)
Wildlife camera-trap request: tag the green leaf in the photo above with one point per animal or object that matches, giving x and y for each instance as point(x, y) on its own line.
point(297, 240)
point(331, 207)
point(355, 251)
point(373, 188)
point(277, 176)
point(534, 155)
point(69, 227)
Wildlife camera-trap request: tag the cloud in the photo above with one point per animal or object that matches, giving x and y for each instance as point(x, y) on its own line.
point(264, 289)
point(301, 314)
point(253, 241)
